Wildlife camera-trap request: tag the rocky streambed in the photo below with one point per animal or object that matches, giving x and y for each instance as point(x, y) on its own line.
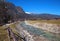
point(54, 28)
point(32, 33)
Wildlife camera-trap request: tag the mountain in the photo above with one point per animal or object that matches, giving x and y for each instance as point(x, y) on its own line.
point(20, 10)
point(10, 12)
point(43, 16)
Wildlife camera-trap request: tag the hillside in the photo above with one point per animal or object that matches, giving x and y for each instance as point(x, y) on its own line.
point(10, 12)
point(43, 16)
point(16, 25)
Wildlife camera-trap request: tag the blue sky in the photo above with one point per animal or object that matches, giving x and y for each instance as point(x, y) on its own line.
point(39, 6)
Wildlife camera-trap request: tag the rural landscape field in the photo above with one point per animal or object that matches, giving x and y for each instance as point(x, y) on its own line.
point(16, 24)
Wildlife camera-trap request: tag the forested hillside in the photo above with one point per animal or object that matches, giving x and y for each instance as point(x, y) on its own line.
point(10, 12)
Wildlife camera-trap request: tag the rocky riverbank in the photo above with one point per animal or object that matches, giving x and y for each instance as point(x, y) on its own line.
point(54, 28)
point(32, 33)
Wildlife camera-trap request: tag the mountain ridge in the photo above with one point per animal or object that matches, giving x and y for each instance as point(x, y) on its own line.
point(10, 12)
point(45, 16)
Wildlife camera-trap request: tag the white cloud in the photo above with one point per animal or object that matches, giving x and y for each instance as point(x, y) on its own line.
point(28, 12)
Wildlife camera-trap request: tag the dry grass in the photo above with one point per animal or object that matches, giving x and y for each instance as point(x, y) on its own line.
point(44, 21)
point(4, 34)
point(49, 34)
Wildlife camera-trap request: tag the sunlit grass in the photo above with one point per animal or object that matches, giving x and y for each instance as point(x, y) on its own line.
point(44, 21)
point(4, 33)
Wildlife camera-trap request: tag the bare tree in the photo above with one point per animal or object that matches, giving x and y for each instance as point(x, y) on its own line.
point(2, 0)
